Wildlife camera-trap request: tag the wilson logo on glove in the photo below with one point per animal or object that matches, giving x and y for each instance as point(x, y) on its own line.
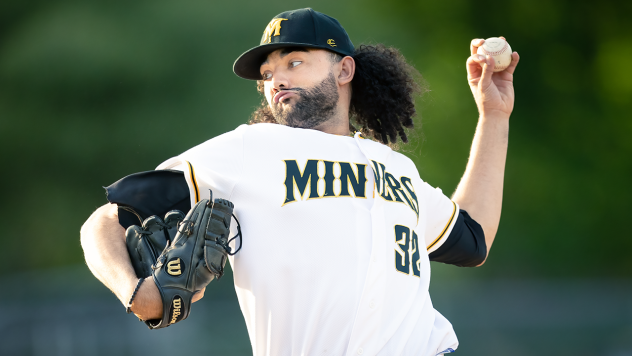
point(174, 268)
point(176, 309)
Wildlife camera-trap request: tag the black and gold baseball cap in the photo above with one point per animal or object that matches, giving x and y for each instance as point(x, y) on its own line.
point(295, 28)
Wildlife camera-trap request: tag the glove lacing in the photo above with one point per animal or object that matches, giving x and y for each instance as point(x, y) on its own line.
point(158, 222)
point(228, 249)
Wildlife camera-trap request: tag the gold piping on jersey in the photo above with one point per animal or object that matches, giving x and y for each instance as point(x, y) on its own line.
point(444, 229)
point(194, 181)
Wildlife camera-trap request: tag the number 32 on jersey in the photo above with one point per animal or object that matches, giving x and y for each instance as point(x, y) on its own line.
point(407, 251)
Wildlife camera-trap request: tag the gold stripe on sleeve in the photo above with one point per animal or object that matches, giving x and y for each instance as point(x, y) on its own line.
point(194, 181)
point(444, 229)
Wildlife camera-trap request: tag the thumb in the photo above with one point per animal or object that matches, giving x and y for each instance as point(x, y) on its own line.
point(198, 295)
point(488, 71)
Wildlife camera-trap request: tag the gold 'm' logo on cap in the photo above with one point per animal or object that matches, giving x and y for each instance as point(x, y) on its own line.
point(273, 29)
point(331, 42)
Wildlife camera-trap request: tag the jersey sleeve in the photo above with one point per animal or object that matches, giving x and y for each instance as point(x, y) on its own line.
point(441, 215)
point(188, 174)
point(216, 165)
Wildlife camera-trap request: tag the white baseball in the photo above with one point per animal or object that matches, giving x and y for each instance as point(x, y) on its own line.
point(499, 49)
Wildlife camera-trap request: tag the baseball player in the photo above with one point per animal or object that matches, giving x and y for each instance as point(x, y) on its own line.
point(338, 229)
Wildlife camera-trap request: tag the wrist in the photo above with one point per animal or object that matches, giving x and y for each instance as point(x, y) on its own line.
point(147, 304)
point(127, 289)
point(128, 307)
point(494, 120)
point(493, 115)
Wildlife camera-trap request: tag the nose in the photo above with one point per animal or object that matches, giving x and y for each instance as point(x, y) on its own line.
point(279, 81)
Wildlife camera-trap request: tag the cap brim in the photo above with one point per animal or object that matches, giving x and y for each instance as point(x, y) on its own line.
point(248, 64)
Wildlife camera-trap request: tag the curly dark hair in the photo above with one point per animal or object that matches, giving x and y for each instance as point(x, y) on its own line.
point(383, 89)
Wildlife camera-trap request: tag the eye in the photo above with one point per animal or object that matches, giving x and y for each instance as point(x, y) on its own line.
point(266, 75)
point(295, 63)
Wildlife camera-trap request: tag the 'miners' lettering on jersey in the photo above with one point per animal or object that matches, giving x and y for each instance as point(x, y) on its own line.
point(306, 182)
point(309, 177)
point(392, 189)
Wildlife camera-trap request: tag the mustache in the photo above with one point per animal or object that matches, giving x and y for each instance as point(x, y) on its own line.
point(298, 89)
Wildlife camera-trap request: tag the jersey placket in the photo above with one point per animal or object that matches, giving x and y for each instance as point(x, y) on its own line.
point(366, 338)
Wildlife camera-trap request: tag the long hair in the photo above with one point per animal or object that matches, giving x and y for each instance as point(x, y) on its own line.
point(383, 92)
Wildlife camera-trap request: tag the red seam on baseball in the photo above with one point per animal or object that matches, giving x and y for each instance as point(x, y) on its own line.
point(502, 50)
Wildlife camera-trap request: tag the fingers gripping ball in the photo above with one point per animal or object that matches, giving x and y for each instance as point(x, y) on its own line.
point(195, 257)
point(146, 242)
point(499, 49)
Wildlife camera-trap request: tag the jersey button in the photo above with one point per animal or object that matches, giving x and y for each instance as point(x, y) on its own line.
point(360, 351)
point(372, 305)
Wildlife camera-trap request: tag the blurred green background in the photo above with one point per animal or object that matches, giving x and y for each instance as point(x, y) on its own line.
point(93, 91)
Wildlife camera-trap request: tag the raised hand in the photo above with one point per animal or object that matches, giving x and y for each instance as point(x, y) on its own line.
point(493, 92)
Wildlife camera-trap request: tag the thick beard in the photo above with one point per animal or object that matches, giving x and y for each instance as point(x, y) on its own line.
point(315, 105)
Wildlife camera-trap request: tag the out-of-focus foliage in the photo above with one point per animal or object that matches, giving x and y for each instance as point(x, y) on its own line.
point(93, 91)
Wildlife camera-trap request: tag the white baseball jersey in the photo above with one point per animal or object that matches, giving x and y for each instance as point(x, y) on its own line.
point(336, 236)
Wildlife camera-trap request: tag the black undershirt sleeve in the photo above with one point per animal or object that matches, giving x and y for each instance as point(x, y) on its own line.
point(465, 247)
point(144, 194)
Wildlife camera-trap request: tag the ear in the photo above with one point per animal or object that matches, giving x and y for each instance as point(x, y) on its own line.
point(347, 70)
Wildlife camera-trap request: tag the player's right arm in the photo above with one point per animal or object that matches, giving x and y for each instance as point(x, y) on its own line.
point(480, 191)
point(103, 243)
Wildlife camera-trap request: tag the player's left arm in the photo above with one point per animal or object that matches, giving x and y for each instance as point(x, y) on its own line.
point(480, 191)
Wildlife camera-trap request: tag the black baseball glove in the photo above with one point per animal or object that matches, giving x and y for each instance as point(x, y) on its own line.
point(145, 243)
point(194, 252)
